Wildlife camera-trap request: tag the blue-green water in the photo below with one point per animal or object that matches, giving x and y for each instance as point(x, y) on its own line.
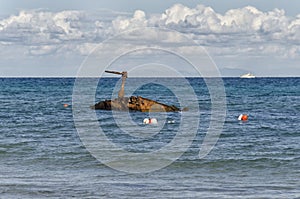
point(41, 155)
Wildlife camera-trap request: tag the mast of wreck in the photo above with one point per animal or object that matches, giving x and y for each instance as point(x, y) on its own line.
point(121, 93)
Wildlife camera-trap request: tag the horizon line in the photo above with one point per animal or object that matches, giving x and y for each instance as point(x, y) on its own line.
point(145, 77)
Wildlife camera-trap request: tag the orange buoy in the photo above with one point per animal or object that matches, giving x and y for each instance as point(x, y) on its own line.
point(243, 117)
point(66, 105)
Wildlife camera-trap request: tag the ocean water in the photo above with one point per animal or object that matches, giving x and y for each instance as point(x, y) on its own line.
point(42, 155)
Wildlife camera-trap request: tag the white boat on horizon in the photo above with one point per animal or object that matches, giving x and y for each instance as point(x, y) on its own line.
point(248, 75)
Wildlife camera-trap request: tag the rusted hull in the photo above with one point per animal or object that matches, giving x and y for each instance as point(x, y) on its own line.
point(134, 103)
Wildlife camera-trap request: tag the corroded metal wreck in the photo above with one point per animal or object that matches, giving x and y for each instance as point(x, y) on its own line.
point(133, 103)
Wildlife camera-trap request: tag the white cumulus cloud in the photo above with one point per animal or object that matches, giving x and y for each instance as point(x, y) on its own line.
point(137, 21)
point(43, 31)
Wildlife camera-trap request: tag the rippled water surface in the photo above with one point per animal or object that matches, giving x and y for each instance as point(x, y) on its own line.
point(42, 155)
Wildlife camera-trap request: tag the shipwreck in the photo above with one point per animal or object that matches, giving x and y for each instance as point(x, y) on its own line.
point(133, 103)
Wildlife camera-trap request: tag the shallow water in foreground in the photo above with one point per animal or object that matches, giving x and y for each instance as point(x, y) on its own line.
point(42, 156)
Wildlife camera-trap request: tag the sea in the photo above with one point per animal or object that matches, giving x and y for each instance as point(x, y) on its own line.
point(44, 152)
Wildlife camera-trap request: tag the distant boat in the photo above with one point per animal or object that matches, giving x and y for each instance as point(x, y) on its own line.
point(248, 75)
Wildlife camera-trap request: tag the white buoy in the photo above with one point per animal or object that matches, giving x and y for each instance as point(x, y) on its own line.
point(150, 121)
point(146, 121)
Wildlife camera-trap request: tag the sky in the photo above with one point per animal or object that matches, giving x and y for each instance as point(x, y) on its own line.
point(53, 38)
